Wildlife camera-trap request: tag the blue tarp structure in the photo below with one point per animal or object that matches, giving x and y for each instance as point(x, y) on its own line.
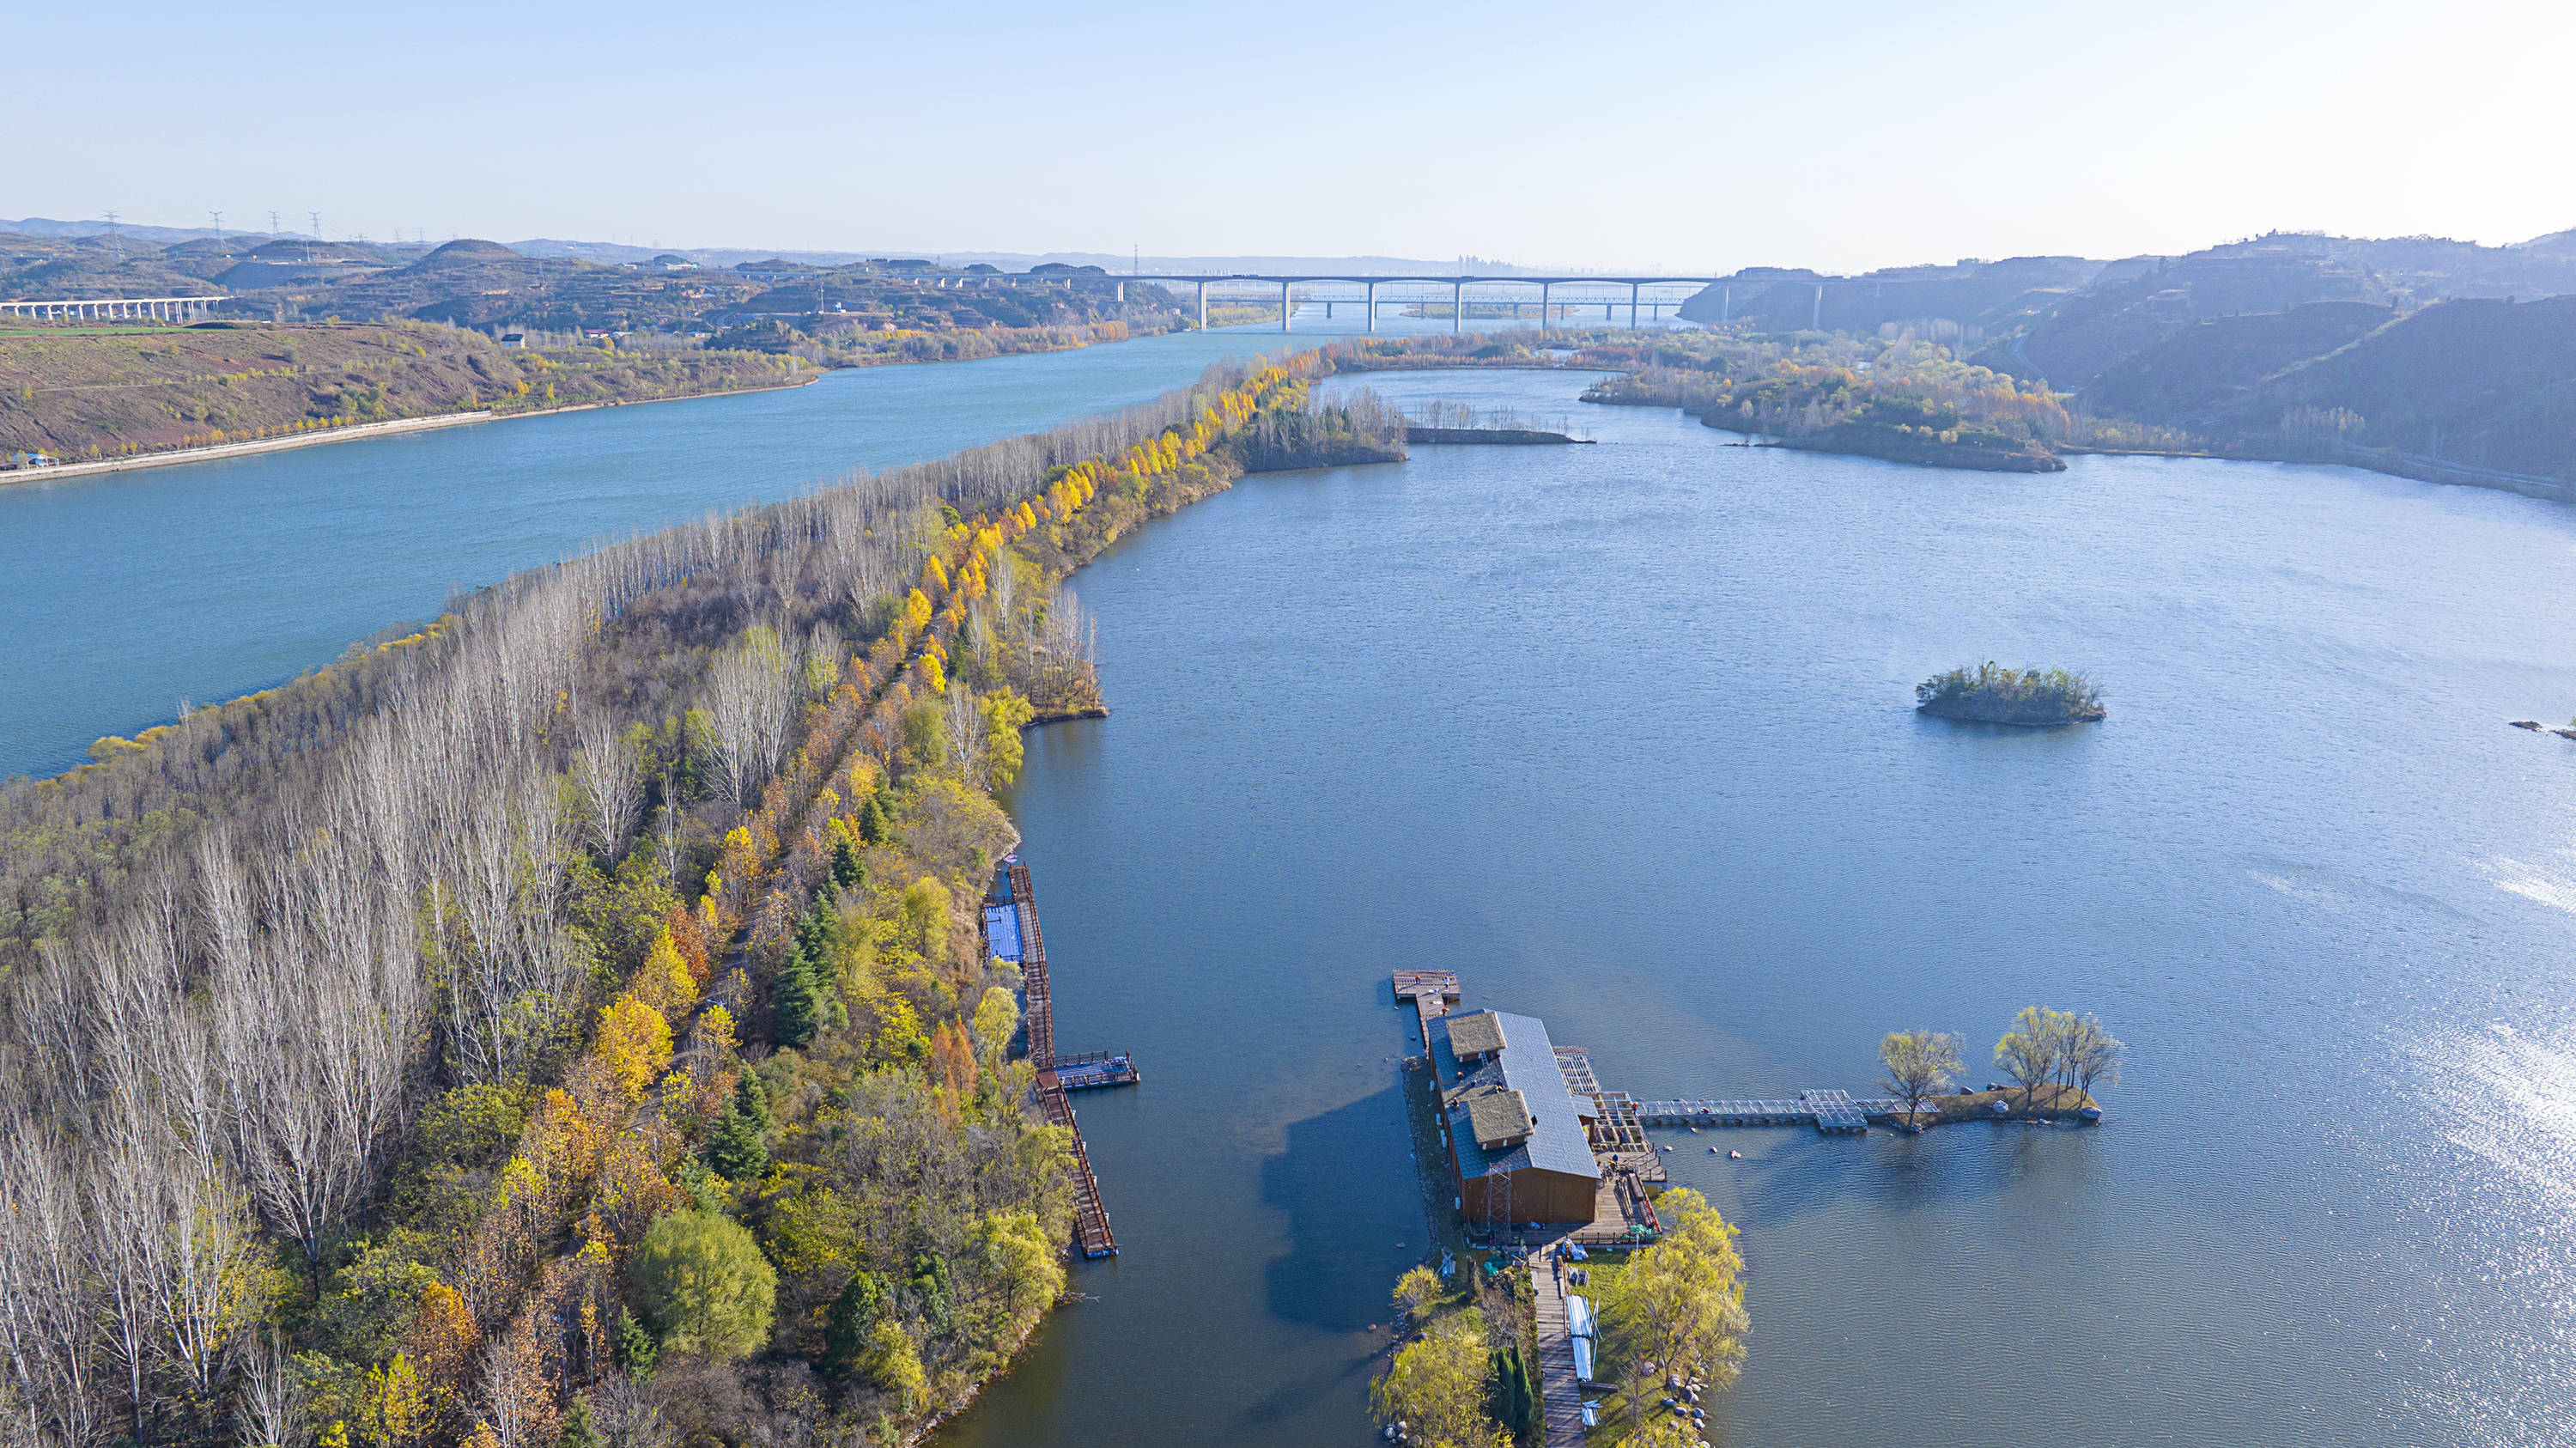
point(1578, 1315)
point(1002, 931)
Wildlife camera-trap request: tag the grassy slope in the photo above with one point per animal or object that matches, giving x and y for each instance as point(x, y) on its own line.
point(92, 393)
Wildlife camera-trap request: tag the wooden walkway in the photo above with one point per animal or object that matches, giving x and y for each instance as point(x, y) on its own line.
point(1432, 992)
point(1560, 1395)
point(1833, 1113)
point(1090, 1218)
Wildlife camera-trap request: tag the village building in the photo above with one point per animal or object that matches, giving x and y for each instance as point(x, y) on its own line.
point(1517, 1137)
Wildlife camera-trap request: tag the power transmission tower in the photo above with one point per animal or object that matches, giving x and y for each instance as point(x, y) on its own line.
point(219, 226)
point(316, 218)
point(272, 225)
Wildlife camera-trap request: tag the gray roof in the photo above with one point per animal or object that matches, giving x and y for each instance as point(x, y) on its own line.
point(1526, 1067)
point(1480, 1034)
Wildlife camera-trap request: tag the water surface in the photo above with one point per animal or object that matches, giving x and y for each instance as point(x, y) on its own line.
point(1622, 734)
point(124, 593)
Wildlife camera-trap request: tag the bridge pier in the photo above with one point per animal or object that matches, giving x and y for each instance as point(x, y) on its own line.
point(1372, 307)
point(1287, 307)
point(1632, 306)
point(1202, 306)
point(1542, 303)
point(1457, 306)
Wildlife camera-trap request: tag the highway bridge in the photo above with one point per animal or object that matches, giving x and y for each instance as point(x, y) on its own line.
point(1582, 289)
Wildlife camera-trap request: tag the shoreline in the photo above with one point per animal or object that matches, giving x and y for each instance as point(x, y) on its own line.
point(388, 428)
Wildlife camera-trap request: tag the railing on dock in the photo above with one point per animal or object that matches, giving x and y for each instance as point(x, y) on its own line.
point(1091, 1070)
point(1834, 1113)
point(1090, 1218)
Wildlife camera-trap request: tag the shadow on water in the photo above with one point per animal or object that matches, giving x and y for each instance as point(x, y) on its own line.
point(1312, 1184)
point(1341, 1209)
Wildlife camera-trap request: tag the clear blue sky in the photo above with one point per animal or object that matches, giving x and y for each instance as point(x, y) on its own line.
point(1681, 135)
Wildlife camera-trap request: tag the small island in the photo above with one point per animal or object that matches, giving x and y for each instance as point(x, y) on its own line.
point(1991, 694)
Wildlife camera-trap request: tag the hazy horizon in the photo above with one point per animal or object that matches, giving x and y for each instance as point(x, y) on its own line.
point(1682, 137)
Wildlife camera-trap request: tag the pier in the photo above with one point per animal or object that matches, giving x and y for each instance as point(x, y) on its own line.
point(1831, 1113)
point(1011, 933)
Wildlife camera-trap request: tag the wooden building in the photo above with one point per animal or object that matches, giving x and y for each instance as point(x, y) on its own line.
point(1514, 1133)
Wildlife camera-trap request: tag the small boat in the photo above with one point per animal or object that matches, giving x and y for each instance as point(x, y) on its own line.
point(1734, 1156)
point(1712, 1151)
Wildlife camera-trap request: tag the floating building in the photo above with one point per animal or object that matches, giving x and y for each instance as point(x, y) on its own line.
point(1518, 1139)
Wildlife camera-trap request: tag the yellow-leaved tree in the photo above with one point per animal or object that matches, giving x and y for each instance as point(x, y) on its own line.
point(1679, 1306)
point(635, 1042)
point(1437, 1387)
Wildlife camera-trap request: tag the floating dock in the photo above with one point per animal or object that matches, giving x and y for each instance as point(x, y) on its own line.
point(1092, 1070)
point(1090, 1218)
point(1432, 992)
point(1831, 1113)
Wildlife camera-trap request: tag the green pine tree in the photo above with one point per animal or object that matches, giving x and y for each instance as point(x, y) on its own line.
point(854, 1312)
point(738, 1149)
point(876, 822)
point(577, 1431)
point(848, 870)
point(793, 1016)
point(636, 1348)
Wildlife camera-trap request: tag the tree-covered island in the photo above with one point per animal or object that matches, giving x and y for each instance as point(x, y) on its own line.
point(1992, 694)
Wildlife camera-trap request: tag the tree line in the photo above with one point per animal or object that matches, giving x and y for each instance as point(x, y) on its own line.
point(567, 1021)
point(2061, 1050)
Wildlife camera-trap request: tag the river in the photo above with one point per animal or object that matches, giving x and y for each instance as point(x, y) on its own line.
point(126, 593)
point(1622, 733)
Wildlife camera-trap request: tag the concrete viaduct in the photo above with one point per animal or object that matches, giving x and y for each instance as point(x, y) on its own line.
point(118, 309)
point(1457, 286)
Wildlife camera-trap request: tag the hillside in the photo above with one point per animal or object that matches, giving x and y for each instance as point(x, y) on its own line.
point(2483, 382)
point(86, 393)
point(2285, 345)
point(824, 314)
point(2200, 376)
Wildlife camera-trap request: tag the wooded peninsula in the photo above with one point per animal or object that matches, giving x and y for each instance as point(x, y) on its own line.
point(568, 1022)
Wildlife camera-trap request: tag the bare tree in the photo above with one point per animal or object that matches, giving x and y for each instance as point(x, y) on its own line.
point(628, 1414)
point(751, 693)
point(48, 1303)
point(611, 779)
point(271, 1411)
point(964, 714)
point(2089, 1053)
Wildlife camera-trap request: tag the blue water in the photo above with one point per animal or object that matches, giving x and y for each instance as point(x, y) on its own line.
point(125, 593)
point(1622, 733)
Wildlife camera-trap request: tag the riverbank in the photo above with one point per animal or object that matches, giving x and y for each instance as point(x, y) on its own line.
point(350, 433)
point(2050, 1105)
point(83, 398)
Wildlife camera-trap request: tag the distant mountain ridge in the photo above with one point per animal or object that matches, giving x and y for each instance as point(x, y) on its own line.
point(614, 252)
point(2287, 345)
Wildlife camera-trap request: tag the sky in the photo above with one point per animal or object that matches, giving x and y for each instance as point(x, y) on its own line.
point(1690, 137)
